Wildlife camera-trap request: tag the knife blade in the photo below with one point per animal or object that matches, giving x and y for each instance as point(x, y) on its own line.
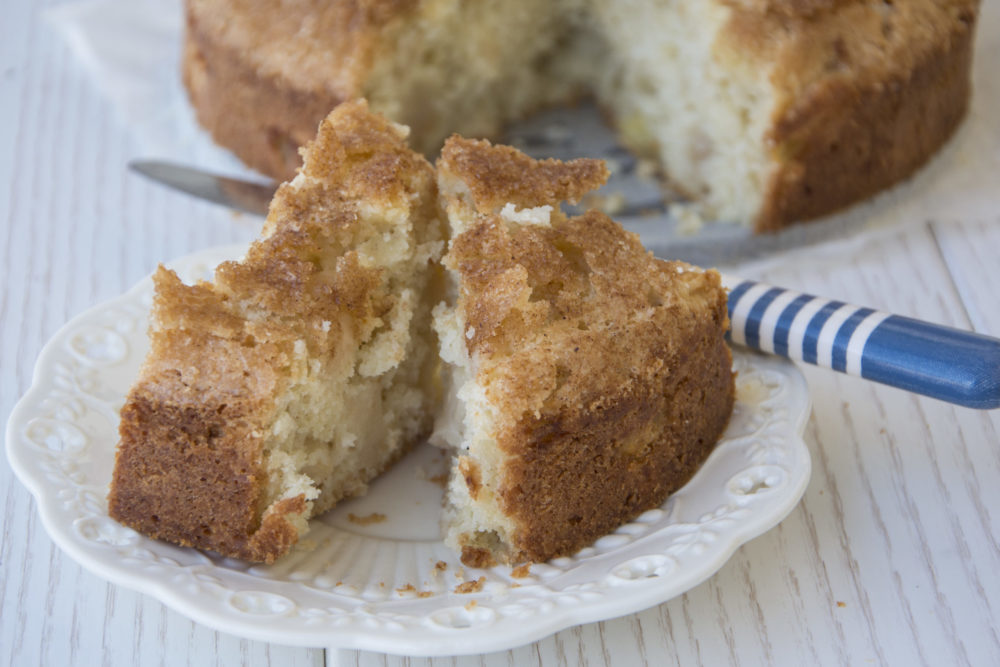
point(247, 196)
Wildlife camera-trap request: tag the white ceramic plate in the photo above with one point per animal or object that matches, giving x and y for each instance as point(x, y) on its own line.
point(389, 585)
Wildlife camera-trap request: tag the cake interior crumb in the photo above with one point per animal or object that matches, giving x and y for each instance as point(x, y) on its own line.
point(521, 571)
point(471, 586)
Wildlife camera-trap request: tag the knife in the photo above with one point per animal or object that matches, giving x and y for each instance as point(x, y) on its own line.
point(949, 364)
point(241, 195)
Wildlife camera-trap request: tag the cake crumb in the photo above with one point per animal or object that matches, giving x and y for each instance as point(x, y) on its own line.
point(473, 586)
point(374, 517)
point(521, 571)
point(441, 480)
point(410, 588)
point(440, 566)
point(841, 604)
point(470, 605)
point(460, 574)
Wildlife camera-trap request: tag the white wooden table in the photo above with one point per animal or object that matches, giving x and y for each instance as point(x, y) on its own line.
point(892, 557)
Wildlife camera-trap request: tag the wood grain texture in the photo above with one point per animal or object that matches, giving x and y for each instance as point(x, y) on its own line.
point(891, 558)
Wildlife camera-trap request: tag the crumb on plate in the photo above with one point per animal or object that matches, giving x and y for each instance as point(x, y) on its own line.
point(473, 586)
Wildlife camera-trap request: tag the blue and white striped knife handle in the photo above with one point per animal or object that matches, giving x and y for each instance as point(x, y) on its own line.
point(949, 364)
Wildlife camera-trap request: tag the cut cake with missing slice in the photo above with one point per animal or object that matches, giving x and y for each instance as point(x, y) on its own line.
point(764, 112)
point(304, 369)
point(586, 380)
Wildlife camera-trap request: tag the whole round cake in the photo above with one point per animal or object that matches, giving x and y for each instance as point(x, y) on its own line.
point(765, 112)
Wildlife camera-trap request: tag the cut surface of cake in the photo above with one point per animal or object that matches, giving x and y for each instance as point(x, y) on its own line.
point(765, 112)
point(585, 379)
point(302, 370)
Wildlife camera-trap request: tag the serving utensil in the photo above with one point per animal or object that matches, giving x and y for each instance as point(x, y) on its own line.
point(949, 364)
point(241, 195)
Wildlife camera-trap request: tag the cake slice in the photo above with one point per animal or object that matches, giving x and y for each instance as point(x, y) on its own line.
point(304, 369)
point(585, 380)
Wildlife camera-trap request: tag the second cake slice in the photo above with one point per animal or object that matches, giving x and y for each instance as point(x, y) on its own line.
point(587, 380)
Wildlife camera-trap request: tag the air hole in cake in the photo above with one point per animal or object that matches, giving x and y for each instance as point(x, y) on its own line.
point(573, 255)
point(487, 540)
point(546, 292)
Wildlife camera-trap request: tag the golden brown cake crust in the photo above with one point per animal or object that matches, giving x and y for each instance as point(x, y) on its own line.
point(609, 366)
point(189, 466)
point(868, 91)
point(497, 175)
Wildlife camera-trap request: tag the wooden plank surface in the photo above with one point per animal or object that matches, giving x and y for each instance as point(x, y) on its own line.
point(891, 558)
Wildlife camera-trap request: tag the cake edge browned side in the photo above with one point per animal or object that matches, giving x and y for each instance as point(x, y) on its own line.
point(273, 120)
point(846, 140)
point(576, 476)
point(162, 444)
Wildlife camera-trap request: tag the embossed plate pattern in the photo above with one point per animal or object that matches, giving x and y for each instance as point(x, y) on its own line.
point(373, 574)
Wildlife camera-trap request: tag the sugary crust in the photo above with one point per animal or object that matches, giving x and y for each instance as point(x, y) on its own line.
point(498, 175)
point(189, 466)
point(867, 93)
point(597, 462)
point(607, 368)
